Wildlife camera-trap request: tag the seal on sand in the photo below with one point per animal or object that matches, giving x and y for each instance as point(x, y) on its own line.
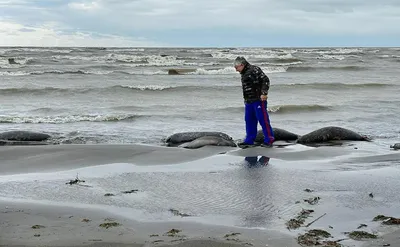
point(179, 138)
point(396, 146)
point(279, 134)
point(20, 143)
point(208, 140)
point(331, 133)
point(21, 135)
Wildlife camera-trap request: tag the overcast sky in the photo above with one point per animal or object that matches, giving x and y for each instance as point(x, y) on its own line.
point(200, 23)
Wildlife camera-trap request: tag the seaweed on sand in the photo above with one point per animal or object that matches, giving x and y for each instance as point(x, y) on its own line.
point(360, 235)
point(386, 220)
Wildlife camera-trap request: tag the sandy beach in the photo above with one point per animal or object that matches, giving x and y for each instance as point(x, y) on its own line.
point(148, 195)
point(28, 224)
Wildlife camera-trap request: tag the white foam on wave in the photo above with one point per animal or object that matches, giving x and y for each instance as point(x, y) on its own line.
point(334, 57)
point(39, 50)
point(280, 64)
point(13, 73)
point(56, 72)
point(231, 70)
point(262, 54)
point(150, 87)
point(63, 119)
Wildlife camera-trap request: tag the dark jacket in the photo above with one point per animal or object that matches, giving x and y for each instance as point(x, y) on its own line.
point(254, 83)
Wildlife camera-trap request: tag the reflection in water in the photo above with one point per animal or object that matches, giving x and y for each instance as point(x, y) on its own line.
point(254, 161)
point(256, 189)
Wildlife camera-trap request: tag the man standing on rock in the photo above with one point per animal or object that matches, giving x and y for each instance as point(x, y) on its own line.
point(255, 85)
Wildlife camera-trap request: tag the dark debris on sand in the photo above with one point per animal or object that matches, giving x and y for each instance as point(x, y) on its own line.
point(173, 232)
point(129, 191)
point(75, 181)
point(231, 234)
point(361, 226)
point(317, 237)
point(38, 227)
point(361, 235)
point(299, 220)
point(177, 213)
point(109, 224)
point(313, 200)
point(123, 192)
point(386, 220)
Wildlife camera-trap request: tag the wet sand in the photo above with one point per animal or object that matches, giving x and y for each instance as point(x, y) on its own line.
point(390, 239)
point(33, 193)
point(67, 226)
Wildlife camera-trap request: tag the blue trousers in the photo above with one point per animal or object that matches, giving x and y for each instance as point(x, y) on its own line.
point(256, 112)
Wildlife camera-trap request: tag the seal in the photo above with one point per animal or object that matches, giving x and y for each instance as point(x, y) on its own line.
point(180, 71)
point(208, 141)
point(280, 135)
point(396, 146)
point(21, 143)
point(179, 138)
point(331, 133)
point(21, 135)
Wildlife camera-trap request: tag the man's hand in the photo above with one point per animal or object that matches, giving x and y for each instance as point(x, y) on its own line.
point(263, 97)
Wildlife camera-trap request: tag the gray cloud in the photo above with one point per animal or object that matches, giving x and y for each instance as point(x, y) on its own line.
point(133, 17)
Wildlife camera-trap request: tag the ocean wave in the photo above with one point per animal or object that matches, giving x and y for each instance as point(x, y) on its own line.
point(289, 60)
point(38, 50)
point(335, 51)
point(129, 59)
point(281, 109)
point(148, 87)
point(48, 110)
point(67, 119)
point(111, 89)
point(175, 88)
point(298, 108)
point(58, 72)
point(335, 57)
point(66, 91)
point(184, 71)
point(220, 71)
point(311, 68)
point(336, 86)
point(45, 90)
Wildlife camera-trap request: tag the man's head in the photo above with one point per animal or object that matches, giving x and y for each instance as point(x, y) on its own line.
point(239, 63)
